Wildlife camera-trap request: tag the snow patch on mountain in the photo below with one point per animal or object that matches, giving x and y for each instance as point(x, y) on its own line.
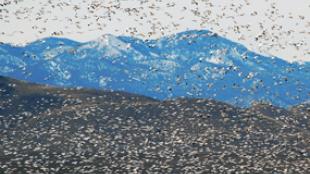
point(194, 63)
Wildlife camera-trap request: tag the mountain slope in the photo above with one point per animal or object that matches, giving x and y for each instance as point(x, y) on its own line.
point(20, 101)
point(113, 132)
point(189, 64)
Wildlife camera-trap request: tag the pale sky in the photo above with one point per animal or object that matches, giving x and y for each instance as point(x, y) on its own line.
point(271, 27)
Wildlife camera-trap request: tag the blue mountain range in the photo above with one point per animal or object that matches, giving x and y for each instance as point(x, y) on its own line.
point(194, 64)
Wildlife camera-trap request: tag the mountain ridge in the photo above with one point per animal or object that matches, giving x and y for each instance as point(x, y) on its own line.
point(196, 63)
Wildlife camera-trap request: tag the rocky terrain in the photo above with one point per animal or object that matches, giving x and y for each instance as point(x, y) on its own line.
point(51, 130)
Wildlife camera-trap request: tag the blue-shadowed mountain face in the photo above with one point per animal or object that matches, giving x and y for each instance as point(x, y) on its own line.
point(194, 64)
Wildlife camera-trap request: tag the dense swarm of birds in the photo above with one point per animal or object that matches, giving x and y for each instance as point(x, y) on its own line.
point(53, 130)
point(145, 19)
point(70, 130)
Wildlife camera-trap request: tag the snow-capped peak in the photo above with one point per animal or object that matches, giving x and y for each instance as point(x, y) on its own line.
point(110, 41)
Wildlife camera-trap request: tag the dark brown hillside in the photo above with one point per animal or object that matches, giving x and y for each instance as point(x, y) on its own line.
point(86, 131)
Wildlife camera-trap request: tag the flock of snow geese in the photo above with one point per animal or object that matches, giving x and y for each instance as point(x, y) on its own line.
point(63, 130)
